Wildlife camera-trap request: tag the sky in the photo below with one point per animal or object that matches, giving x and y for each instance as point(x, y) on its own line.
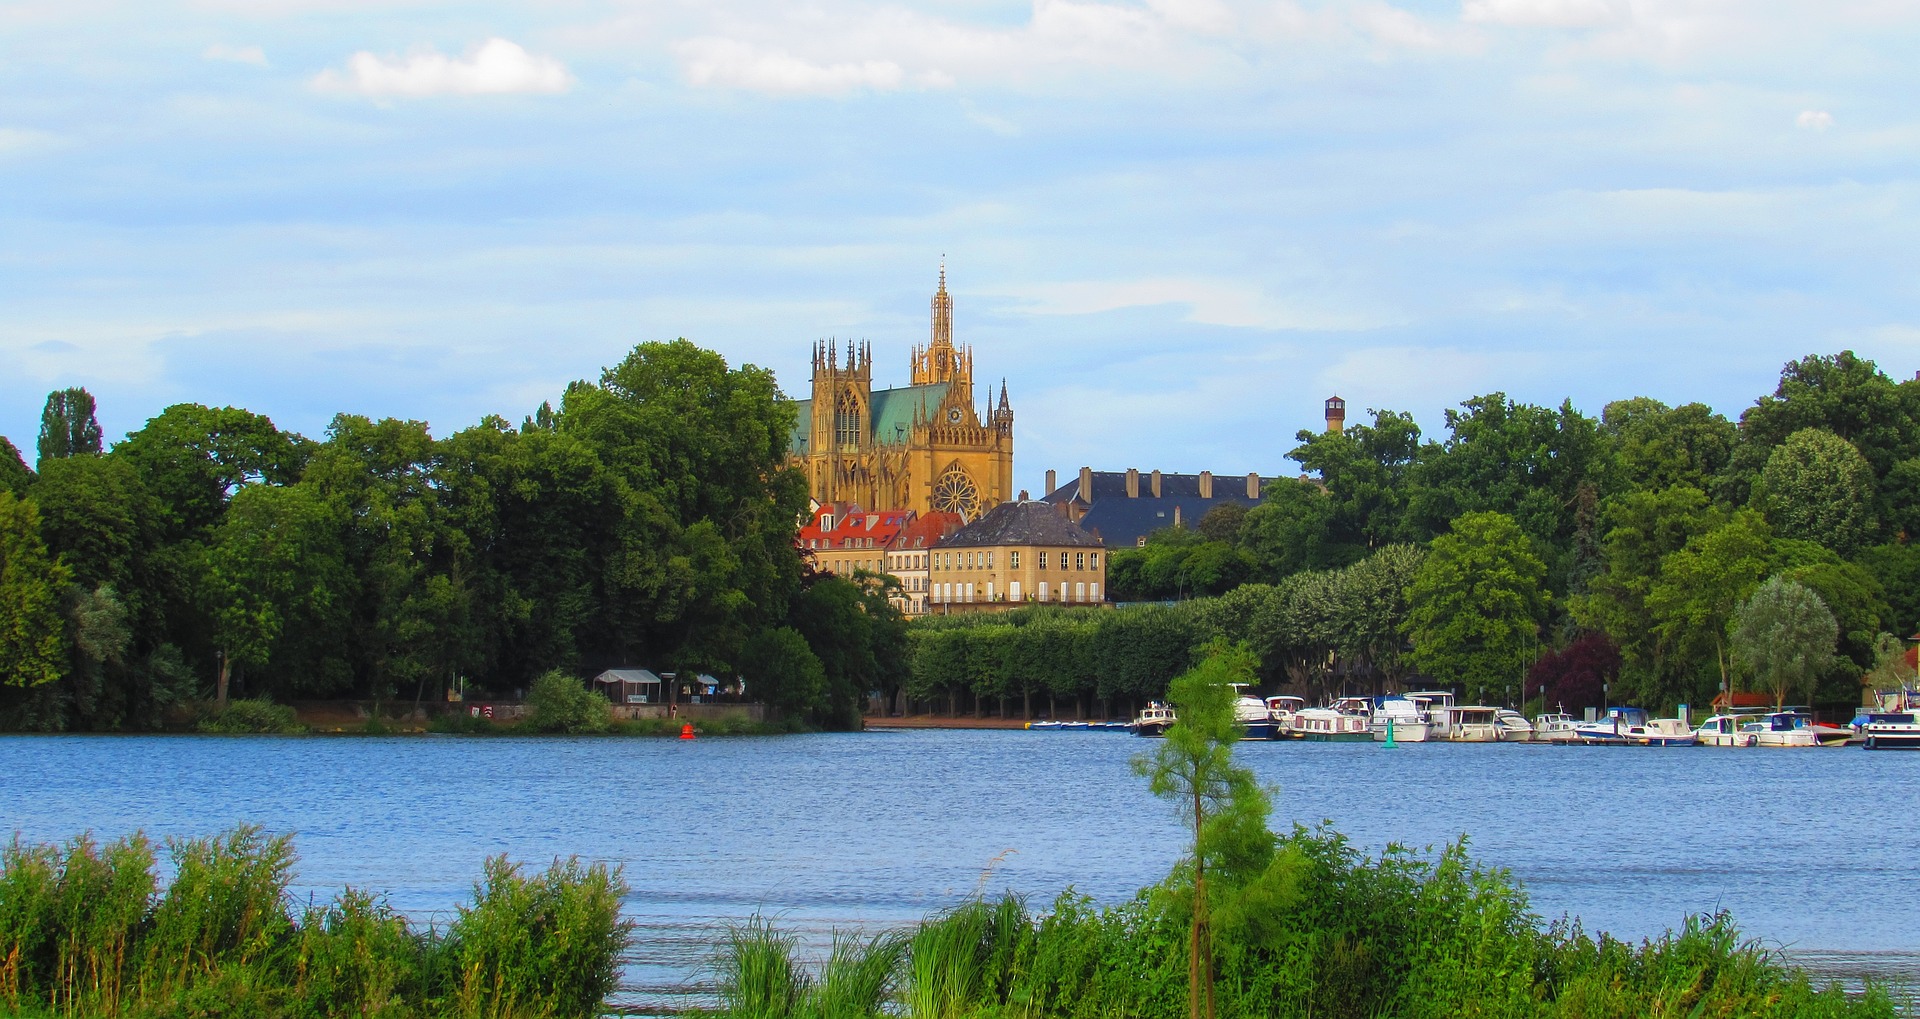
point(1173, 226)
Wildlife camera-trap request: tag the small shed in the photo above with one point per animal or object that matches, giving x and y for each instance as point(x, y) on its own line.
point(631, 686)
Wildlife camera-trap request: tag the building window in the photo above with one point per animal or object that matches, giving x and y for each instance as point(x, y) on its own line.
point(1096, 591)
point(1043, 590)
point(1013, 560)
point(1093, 560)
point(1079, 592)
point(1043, 560)
point(1079, 560)
point(989, 560)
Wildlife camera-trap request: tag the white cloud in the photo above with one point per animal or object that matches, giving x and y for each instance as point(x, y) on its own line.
point(1543, 13)
point(495, 67)
point(729, 63)
point(15, 141)
point(1814, 120)
point(236, 54)
point(1212, 302)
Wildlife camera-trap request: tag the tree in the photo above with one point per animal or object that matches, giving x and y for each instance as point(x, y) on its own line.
point(1844, 394)
point(1896, 566)
point(14, 475)
point(1477, 603)
point(1891, 670)
point(1783, 638)
point(33, 636)
point(1640, 530)
point(275, 560)
point(1223, 803)
point(1818, 487)
point(1577, 675)
point(1366, 470)
point(195, 458)
point(1371, 610)
point(1657, 447)
point(1292, 530)
point(1702, 585)
point(67, 426)
point(783, 673)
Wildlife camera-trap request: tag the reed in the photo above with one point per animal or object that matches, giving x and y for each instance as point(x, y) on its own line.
point(85, 931)
point(544, 946)
point(758, 976)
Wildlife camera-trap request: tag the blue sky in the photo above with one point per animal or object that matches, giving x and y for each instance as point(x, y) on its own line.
point(1174, 226)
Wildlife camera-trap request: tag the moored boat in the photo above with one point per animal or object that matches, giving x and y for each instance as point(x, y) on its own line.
point(1153, 720)
point(1892, 724)
point(1406, 719)
point(1282, 709)
point(1514, 727)
point(1473, 723)
point(1663, 732)
point(1723, 731)
point(1437, 705)
point(1613, 730)
point(1554, 727)
point(1780, 729)
point(1256, 722)
point(1344, 721)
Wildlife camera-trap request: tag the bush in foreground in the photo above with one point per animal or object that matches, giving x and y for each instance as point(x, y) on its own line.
point(86, 930)
point(250, 717)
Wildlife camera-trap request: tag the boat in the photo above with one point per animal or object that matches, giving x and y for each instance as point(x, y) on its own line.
point(1723, 731)
point(1344, 721)
point(1554, 727)
point(1782, 729)
point(1408, 719)
point(1662, 732)
point(1473, 723)
point(1514, 727)
point(1282, 709)
point(1153, 720)
point(1438, 707)
point(1613, 730)
point(1892, 724)
point(1256, 722)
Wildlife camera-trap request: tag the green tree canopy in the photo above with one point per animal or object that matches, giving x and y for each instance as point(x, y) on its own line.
point(1476, 605)
point(1657, 447)
point(1699, 589)
point(14, 475)
point(1818, 487)
point(195, 458)
point(1783, 639)
point(33, 636)
point(67, 425)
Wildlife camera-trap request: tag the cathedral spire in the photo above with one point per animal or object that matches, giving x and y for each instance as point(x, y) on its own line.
point(938, 363)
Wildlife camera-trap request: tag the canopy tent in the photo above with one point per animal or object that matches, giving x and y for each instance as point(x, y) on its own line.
point(631, 686)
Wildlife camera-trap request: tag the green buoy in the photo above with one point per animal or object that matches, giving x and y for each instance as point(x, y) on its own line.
point(1389, 732)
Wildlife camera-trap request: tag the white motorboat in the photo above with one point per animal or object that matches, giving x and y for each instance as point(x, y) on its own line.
point(1514, 727)
point(1282, 709)
point(1892, 724)
point(1153, 720)
point(1256, 722)
point(1407, 718)
point(1346, 720)
point(1723, 731)
point(1554, 727)
point(1662, 732)
point(1473, 723)
point(1438, 707)
point(1613, 730)
point(1782, 729)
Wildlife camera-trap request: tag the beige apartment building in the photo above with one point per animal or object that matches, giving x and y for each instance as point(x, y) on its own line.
point(1022, 552)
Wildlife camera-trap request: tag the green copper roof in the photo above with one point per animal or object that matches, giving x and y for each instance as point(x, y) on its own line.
point(893, 411)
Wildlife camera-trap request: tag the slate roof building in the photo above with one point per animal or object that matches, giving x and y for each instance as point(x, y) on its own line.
point(1018, 552)
point(1123, 507)
point(909, 555)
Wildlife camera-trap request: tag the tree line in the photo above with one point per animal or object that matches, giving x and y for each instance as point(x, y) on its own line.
point(1653, 555)
point(647, 520)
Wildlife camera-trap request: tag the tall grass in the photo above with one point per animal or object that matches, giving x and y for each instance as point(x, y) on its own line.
point(1322, 933)
point(760, 978)
point(87, 931)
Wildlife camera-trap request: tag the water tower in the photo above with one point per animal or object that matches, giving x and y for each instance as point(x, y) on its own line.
point(1336, 415)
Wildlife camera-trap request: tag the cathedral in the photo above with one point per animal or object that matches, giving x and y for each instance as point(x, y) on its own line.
point(922, 447)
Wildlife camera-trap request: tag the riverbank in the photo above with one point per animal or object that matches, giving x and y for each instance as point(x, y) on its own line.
point(941, 722)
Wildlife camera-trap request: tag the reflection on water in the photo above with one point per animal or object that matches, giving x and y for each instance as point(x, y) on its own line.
point(880, 828)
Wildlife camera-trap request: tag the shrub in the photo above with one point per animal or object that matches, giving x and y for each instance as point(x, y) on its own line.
point(243, 717)
point(562, 704)
point(542, 946)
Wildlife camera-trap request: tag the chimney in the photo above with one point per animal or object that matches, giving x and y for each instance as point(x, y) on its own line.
point(1176, 514)
point(1206, 484)
point(1156, 484)
point(1050, 485)
point(1336, 415)
point(1086, 485)
point(1253, 487)
point(1133, 483)
point(1023, 495)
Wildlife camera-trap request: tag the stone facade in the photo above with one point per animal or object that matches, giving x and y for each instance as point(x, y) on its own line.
point(1019, 553)
point(923, 447)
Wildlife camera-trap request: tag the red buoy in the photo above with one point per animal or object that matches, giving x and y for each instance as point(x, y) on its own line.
point(686, 731)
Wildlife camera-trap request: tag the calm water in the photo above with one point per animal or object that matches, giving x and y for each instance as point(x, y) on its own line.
point(1809, 848)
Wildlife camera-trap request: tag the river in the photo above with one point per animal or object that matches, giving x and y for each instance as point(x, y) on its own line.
point(1813, 851)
